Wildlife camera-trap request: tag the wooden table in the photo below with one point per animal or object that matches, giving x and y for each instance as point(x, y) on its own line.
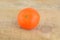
point(48, 29)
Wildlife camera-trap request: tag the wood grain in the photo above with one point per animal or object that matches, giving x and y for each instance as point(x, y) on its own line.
point(49, 11)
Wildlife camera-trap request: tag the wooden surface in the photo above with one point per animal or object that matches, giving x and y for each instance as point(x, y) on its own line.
point(48, 29)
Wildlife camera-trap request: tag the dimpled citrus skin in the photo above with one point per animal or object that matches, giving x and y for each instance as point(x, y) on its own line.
point(28, 18)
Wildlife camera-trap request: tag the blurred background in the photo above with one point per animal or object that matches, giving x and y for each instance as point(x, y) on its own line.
point(48, 29)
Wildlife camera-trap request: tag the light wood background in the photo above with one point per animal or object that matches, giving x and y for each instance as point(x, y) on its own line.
point(48, 29)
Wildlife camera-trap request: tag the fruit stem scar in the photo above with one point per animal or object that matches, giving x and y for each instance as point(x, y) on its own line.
point(26, 16)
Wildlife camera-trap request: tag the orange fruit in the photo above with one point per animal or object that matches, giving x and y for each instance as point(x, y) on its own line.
point(28, 18)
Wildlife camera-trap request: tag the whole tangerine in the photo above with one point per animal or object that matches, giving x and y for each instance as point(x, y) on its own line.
point(28, 18)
